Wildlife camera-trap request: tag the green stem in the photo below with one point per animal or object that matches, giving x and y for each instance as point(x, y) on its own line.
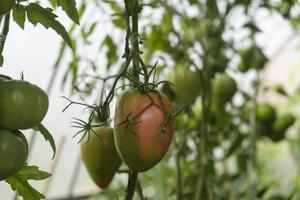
point(4, 32)
point(179, 177)
point(202, 186)
point(140, 190)
point(135, 40)
point(131, 186)
point(252, 160)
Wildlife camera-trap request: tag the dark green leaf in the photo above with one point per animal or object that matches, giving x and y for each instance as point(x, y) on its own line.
point(19, 15)
point(45, 16)
point(69, 6)
point(48, 137)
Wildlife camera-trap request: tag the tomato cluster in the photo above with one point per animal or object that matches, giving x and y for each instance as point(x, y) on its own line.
point(143, 130)
point(271, 125)
point(22, 106)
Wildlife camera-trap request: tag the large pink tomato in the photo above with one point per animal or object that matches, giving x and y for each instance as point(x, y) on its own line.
point(144, 126)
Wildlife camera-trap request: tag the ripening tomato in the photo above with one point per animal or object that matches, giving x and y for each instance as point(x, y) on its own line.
point(6, 6)
point(22, 104)
point(144, 127)
point(100, 156)
point(13, 152)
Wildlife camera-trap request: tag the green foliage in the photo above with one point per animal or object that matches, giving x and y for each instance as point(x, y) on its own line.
point(39, 15)
point(48, 137)
point(20, 184)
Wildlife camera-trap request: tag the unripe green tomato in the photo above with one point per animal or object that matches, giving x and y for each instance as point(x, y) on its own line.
point(6, 6)
point(22, 104)
point(281, 125)
point(187, 85)
point(265, 113)
point(224, 88)
point(100, 156)
point(13, 152)
point(242, 67)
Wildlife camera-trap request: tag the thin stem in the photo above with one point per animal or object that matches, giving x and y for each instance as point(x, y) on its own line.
point(140, 190)
point(252, 160)
point(135, 40)
point(179, 176)
point(4, 32)
point(131, 186)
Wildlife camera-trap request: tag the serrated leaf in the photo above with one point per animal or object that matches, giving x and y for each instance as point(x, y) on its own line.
point(19, 182)
point(69, 6)
point(45, 16)
point(48, 137)
point(19, 15)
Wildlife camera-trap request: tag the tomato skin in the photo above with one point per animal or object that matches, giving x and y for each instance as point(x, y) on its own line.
point(187, 85)
point(22, 104)
point(143, 131)
point(13, 152)
point(100, 156)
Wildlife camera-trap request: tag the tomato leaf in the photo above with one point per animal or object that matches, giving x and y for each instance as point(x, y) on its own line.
point(48, 137)
point(19, 182)
point(69, 6)
point(19, 15)
point(45, 16)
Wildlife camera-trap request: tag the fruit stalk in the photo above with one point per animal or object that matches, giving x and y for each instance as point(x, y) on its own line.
point(132, 180)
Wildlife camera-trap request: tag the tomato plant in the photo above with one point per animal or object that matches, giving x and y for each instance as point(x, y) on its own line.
point(22, 104)
point(6, 6)
point(100, 156)
point(13, 152)
point(144, 126)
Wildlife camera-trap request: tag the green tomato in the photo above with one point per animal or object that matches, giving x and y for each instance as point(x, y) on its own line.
point(281, 125)
point(22, 105)
point(6, 6)
point(100, 156)
point(265, 113)
point(187, 85)
point(224, 88)
point(13, 152)
point(144, 127)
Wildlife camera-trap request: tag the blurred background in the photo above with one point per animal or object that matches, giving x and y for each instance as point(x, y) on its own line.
point(34, 51)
